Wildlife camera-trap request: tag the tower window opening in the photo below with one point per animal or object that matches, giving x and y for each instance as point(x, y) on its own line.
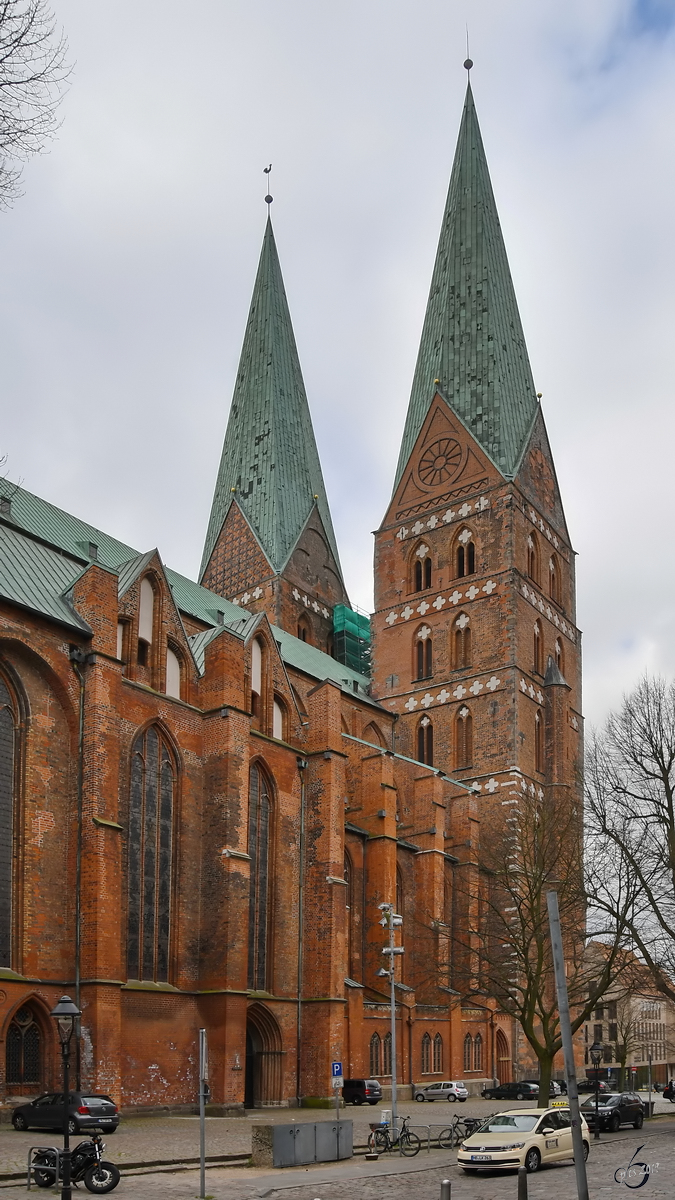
point(462, 637)
point(537, 649)
point(533, 558)
point(559, 659)
point(554, 579)
point(538, 742)
point(421, 569)
point(425, 742)
point(464, 737)
point(424, 654)
point(466, 554)
point(256, 677)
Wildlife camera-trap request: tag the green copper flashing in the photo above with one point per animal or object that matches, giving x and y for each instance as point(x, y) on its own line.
point(472, 349)
point(270, 463)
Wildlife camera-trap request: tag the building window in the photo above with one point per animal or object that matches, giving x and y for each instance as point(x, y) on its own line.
point(256, 677)
point(421, 568)
point(173, 674)
point(537, 649)
point(23, 1050)
point(424, 653)
point(464, 738)
point(559, 658)
point(438, 1053)
point(279, 719)
point(149, 857)
point(304, 630)
point(611, 1011)
point(146, 618)
point(259, 816)
point(538, 742)
point(465, 554)
point(375, 1062)
point(554, 579)
point(8, 774)
point(462, 647)
point(425, 742)
point(613, 1033)
point(386, 1063)
point(533, 558)
point(478, 1053)
point(426, 1054)
point(597, 1033)
point(468, 1047)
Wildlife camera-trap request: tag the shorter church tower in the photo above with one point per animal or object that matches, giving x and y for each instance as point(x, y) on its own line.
point(270, 545)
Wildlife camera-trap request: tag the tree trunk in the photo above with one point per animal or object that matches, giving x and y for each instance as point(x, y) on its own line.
point(545, 1069)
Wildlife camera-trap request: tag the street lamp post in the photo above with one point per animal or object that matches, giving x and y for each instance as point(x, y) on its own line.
point(65, 1014)
point(596, 1055)
point(391, 920)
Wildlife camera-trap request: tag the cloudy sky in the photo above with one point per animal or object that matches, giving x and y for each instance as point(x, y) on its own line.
point(127, 267)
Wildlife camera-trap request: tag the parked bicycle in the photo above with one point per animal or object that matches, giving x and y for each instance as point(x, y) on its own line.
point(384, 1138)
point(462, 1127)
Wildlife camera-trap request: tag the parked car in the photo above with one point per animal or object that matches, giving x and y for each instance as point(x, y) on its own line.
point(512, 1091)
point(554, 1087)
point(619, 1108)
point(361, 1091)
point(441, 1091)
point(592, 1085)
point(85, 1111)
point(521, 1139)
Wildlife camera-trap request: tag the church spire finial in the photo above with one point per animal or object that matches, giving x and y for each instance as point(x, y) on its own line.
point(268, 197)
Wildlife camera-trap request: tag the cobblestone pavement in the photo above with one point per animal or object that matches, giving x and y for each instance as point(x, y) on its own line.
point(147, 1140)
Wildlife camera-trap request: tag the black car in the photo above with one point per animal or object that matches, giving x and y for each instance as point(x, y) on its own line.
point(619, 1108)
point(85, 1111)
point(512, 1091)
point(361, 1091)
point(593, 1085)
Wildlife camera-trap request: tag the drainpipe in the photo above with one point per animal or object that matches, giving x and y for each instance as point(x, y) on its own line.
point(79, 657)
point(302, 766)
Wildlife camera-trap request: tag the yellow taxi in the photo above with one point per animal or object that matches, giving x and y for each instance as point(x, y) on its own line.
point(522, 1137)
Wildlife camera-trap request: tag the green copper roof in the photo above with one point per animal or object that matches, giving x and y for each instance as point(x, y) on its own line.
point(270, 462)
point(472, 339)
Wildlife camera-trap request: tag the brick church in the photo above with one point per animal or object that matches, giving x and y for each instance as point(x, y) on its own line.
point(208, 788)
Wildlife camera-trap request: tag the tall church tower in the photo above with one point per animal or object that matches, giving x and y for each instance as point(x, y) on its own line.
point(270, 544)
point(475, 645)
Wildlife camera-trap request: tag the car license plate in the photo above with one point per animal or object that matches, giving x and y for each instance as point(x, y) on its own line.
point(481, 1158)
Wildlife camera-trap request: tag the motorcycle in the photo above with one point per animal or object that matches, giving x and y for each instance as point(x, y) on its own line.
point(669, 1093)
point(86, 1166)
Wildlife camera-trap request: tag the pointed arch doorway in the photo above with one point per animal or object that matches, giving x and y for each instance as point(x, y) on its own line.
point(264, 1059)
point(503, 1058)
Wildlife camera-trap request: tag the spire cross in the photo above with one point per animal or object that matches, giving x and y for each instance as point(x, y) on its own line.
point(268, 198)
point(468, 62)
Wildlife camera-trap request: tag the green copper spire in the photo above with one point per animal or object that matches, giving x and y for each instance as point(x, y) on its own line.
point(270, 463)
point(473, 349)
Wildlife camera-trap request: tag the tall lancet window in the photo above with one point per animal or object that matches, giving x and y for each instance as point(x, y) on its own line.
point(8, 733)
point(259, 814)
point(149, 857)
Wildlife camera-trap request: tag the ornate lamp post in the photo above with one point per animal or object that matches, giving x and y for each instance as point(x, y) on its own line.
point(596, 1055)
point(65, 1014)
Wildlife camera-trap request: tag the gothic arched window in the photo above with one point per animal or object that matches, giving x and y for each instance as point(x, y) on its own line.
point(554, 579)
point(8, 754)
point(438, 1053)
point(426, 1054)
point(23, 1049)
point(424, 653)
point(468, 1047)
point(348, 877)
point(537, 649)
point(386, 1063)
point(478, 1053)
point(149, 857)
point(421, 569)
point(559, 656)
point(533, 558)
point(425, 742)
point(464, 737)
point(259, 816)
point(538, 741)
point(375, 1063)
point(462, 647)
point(465, 554)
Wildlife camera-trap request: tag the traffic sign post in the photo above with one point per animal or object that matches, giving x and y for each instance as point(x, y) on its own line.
point(337, 1081)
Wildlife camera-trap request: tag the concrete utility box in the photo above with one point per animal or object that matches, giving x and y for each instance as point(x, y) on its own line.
point(301, 1143)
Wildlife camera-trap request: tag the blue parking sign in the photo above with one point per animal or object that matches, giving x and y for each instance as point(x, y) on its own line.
point(336, 1070)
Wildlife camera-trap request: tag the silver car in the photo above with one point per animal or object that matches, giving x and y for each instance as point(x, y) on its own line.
point(441, 1091)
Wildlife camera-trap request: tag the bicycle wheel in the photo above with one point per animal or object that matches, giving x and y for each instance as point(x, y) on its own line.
point(381, 1139)
point(410, 1144)
point(446, 1139)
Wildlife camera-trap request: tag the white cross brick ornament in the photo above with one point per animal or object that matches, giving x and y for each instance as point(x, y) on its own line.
point(245, 598)
point(422, 551)
point(305, 601)
point(531, 691)
point(476, 786)
point(540, 795)
point(449, 516)
point(541, 525)
point(548, 612)
point(548, 533)
point(325, 613)
point(472, 592)
point(540, 698)
point(574, 723)
point(525, 590)
point(444, 696)
point(459, 692)
point(455, 597)
point(417, 527)
point(425, 721)
point(476, 687)
point(391, 618)
point(316, 607)
point(465, 535)
point(463, 712)
point(533, 516)
point(424, 633)
point(523, 685)
point(432, 522)
point(465, 510)
point(236, 601)
point(295, 594)
point(556, 620)
point(540, 605)
point(491, 786)
point(257, 593)
point(482, 504)
point(530, 542)
point(531, 789)
point(489, 587)
point(556, 543)
point(438, 603)
point(426, 700)
point(402, 533)
point(493, 683)
point(410, 704)
point(423, 608)
point(462, 621)
point(407, 612)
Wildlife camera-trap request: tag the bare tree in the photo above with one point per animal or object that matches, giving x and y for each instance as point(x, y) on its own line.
point(33, 73)
point(630, 818)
